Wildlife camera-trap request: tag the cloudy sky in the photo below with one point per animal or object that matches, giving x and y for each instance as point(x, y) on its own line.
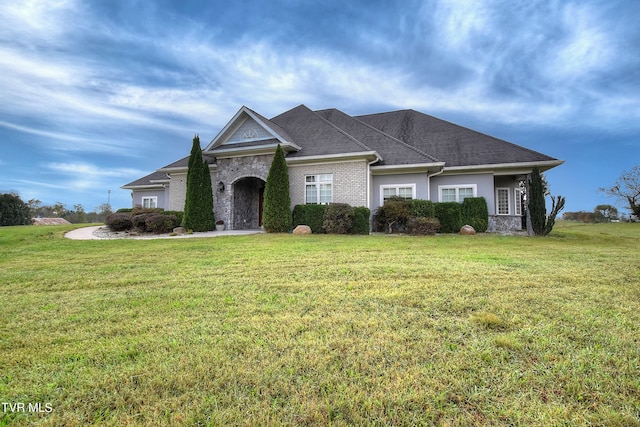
point(95, 94)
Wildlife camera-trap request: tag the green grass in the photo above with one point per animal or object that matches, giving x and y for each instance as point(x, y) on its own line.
point(323, 330)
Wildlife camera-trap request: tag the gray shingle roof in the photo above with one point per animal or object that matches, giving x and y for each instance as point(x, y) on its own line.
point(404, 137)
point(315, 135)
point(450, 143)
point(392, 150)
point(146, 180)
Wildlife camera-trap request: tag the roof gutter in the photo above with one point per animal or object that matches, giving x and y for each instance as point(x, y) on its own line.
point(544, 165)
point(373, 155)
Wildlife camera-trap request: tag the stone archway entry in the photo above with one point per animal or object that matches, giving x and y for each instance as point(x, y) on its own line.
point(247, 203)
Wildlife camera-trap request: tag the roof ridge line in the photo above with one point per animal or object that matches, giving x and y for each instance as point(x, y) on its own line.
point(342, 131)
point(417, 150)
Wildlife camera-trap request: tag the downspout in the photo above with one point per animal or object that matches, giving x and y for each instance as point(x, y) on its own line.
point(429, 182)
point(377, 159)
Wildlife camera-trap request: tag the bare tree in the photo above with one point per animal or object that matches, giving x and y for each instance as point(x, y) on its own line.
point(627, 188)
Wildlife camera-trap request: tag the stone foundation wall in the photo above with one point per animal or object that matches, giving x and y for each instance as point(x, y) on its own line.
point(504, 223)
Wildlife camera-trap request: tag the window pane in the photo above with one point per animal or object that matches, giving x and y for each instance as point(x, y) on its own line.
point(325, 193)
point(518, 201)
point(388, 192)
point(449, 195)
point(311, 195)
point(503, 201)
point(325, 177)
point(405, 192)
point(463, 193)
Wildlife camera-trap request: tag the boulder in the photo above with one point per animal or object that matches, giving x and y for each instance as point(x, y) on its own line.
point(467, 230)
point(180, 230)
point(302, 229)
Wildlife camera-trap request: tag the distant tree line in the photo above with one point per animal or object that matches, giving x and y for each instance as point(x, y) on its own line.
point(601, 213)
point(14, 211)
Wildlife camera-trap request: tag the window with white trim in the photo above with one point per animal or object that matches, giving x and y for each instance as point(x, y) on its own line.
point(502, 201)
point(404, 191)
point(456, 193)
point(318, 189)
point(150, 202)
point(517, 192)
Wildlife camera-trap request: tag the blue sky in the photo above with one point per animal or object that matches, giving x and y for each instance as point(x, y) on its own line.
point(96, 94)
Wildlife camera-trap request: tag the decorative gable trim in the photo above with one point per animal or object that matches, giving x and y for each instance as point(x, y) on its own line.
point(240, 136)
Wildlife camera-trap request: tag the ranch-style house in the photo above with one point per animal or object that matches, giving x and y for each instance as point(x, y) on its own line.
point(360, 160)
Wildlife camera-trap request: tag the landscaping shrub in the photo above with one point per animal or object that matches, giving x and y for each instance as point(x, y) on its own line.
point(450, 216)
point(139, 221)
point(178, 214)
point(124, 210)
point(422, 208)
point(475, 213)
point(311, 215)
point(159, 223)
point(393, 215)
point(361, 223)
point(421, 226)
point(138, 210)
point(338, 218)
point(119, 221)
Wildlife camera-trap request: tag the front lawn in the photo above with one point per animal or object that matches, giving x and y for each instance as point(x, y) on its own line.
point(322, 329)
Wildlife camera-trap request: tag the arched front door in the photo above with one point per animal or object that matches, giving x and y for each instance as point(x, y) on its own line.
point(248, 196)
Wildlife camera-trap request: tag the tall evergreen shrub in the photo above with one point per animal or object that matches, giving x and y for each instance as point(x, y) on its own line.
point(475, 213)
point(198, 206)
point(361, 224)
point(276, 213)
point(450, 216)
point(536, 204)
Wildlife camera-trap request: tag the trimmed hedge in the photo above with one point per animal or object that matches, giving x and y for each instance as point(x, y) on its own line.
point(361, 223)
point(160, 223)
point(119, 221)
point(450, 216)
point(144, 220)
point(423, 226)
point(311, 215)
point(475, 213)
point(422, 208)
point(338, 218)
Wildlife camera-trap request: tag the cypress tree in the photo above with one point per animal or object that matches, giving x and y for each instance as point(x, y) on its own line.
point(198, 205)
point(276, 213)
point(536, 203)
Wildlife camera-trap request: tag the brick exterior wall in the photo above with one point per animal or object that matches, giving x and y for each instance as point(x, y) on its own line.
point(349, 181)
point(177, 191)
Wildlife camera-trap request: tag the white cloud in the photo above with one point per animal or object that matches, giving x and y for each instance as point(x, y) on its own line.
point(90, 171)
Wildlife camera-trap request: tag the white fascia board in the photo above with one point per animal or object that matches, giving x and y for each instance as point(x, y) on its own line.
point(174, 169)
point(142, 187)
point(410, 168)
point(235, 122)
point(504, 168)
point(365, 155)
point(222, 153)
